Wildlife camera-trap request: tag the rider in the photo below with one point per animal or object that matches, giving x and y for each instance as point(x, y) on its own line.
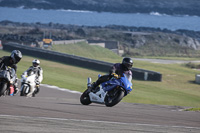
point(12, 61)
point(116, 70)
point(39, 76)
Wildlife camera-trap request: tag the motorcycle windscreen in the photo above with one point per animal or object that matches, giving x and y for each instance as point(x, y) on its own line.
point(126, 83)
point(12, 72)
point(111, 84)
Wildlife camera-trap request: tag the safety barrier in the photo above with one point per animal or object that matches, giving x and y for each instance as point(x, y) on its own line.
point(139, 74)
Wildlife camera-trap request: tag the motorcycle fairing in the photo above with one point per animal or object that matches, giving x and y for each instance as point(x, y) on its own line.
point(98, 97)
point(113, 83)
point(5, 74)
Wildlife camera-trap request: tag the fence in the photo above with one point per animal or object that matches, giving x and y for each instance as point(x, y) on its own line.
point(139, 74)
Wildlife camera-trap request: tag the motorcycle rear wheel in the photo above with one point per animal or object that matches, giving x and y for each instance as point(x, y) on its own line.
point(111, 101)
point(85, 99)
point(3, 87)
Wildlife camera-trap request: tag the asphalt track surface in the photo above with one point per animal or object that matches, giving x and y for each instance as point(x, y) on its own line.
point(58, 111)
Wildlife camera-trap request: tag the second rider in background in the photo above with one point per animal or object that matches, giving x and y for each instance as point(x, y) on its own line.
point(39, 76)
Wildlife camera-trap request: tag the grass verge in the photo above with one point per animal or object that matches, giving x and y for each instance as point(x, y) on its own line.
point(193, 109)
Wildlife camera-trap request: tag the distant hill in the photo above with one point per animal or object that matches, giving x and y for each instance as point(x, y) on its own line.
point(172, 7)
point(139, 42)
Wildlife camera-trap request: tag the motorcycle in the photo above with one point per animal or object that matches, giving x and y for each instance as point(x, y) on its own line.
point(28, 84)
point(7, 80)
point(109, 93)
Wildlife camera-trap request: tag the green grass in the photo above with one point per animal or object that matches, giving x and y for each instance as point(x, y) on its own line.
point(193, 109)
point(85, 50)
point(177, 87)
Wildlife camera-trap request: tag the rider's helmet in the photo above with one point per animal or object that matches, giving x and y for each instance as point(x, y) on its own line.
point(16, 56)
point(36, 63)
point(127, 62)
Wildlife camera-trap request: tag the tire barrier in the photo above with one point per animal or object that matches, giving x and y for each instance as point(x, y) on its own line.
point(139, 74)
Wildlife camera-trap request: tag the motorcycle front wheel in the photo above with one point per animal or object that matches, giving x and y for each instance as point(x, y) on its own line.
point(114, 97)
point(85, 99)
point(3, 87)
point(25, 90)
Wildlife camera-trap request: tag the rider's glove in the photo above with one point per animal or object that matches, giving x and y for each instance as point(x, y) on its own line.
point(114, 75)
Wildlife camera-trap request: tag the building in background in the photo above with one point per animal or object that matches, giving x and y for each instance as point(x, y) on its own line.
point(111, 45)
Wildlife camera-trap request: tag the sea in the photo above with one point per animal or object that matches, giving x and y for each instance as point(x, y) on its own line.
point(90, 18)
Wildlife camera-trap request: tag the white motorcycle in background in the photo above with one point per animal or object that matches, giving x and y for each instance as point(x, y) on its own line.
point(28, 84)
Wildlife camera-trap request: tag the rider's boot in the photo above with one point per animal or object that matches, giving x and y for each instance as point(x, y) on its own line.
point(33, 95)
point(16, 91)
point(37, 89)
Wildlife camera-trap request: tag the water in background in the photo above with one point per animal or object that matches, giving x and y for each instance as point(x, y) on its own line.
point(88, 18)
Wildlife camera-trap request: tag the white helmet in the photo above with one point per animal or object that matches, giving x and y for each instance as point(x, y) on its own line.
point(36, 63)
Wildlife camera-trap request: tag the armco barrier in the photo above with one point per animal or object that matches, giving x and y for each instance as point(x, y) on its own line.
point(139, 74)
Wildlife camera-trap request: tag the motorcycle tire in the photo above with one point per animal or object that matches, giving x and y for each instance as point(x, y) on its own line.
point(85, 99)
point(23, 91)
point(112, 101)
point(3, 87)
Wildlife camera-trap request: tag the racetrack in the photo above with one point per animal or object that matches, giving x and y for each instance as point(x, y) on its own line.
point(57, 111)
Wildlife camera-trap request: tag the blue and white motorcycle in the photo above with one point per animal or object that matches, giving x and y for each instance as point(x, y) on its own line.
point(109, 93)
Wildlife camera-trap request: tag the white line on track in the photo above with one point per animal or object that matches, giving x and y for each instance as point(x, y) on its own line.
point(61, 89)
point(93, 121)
